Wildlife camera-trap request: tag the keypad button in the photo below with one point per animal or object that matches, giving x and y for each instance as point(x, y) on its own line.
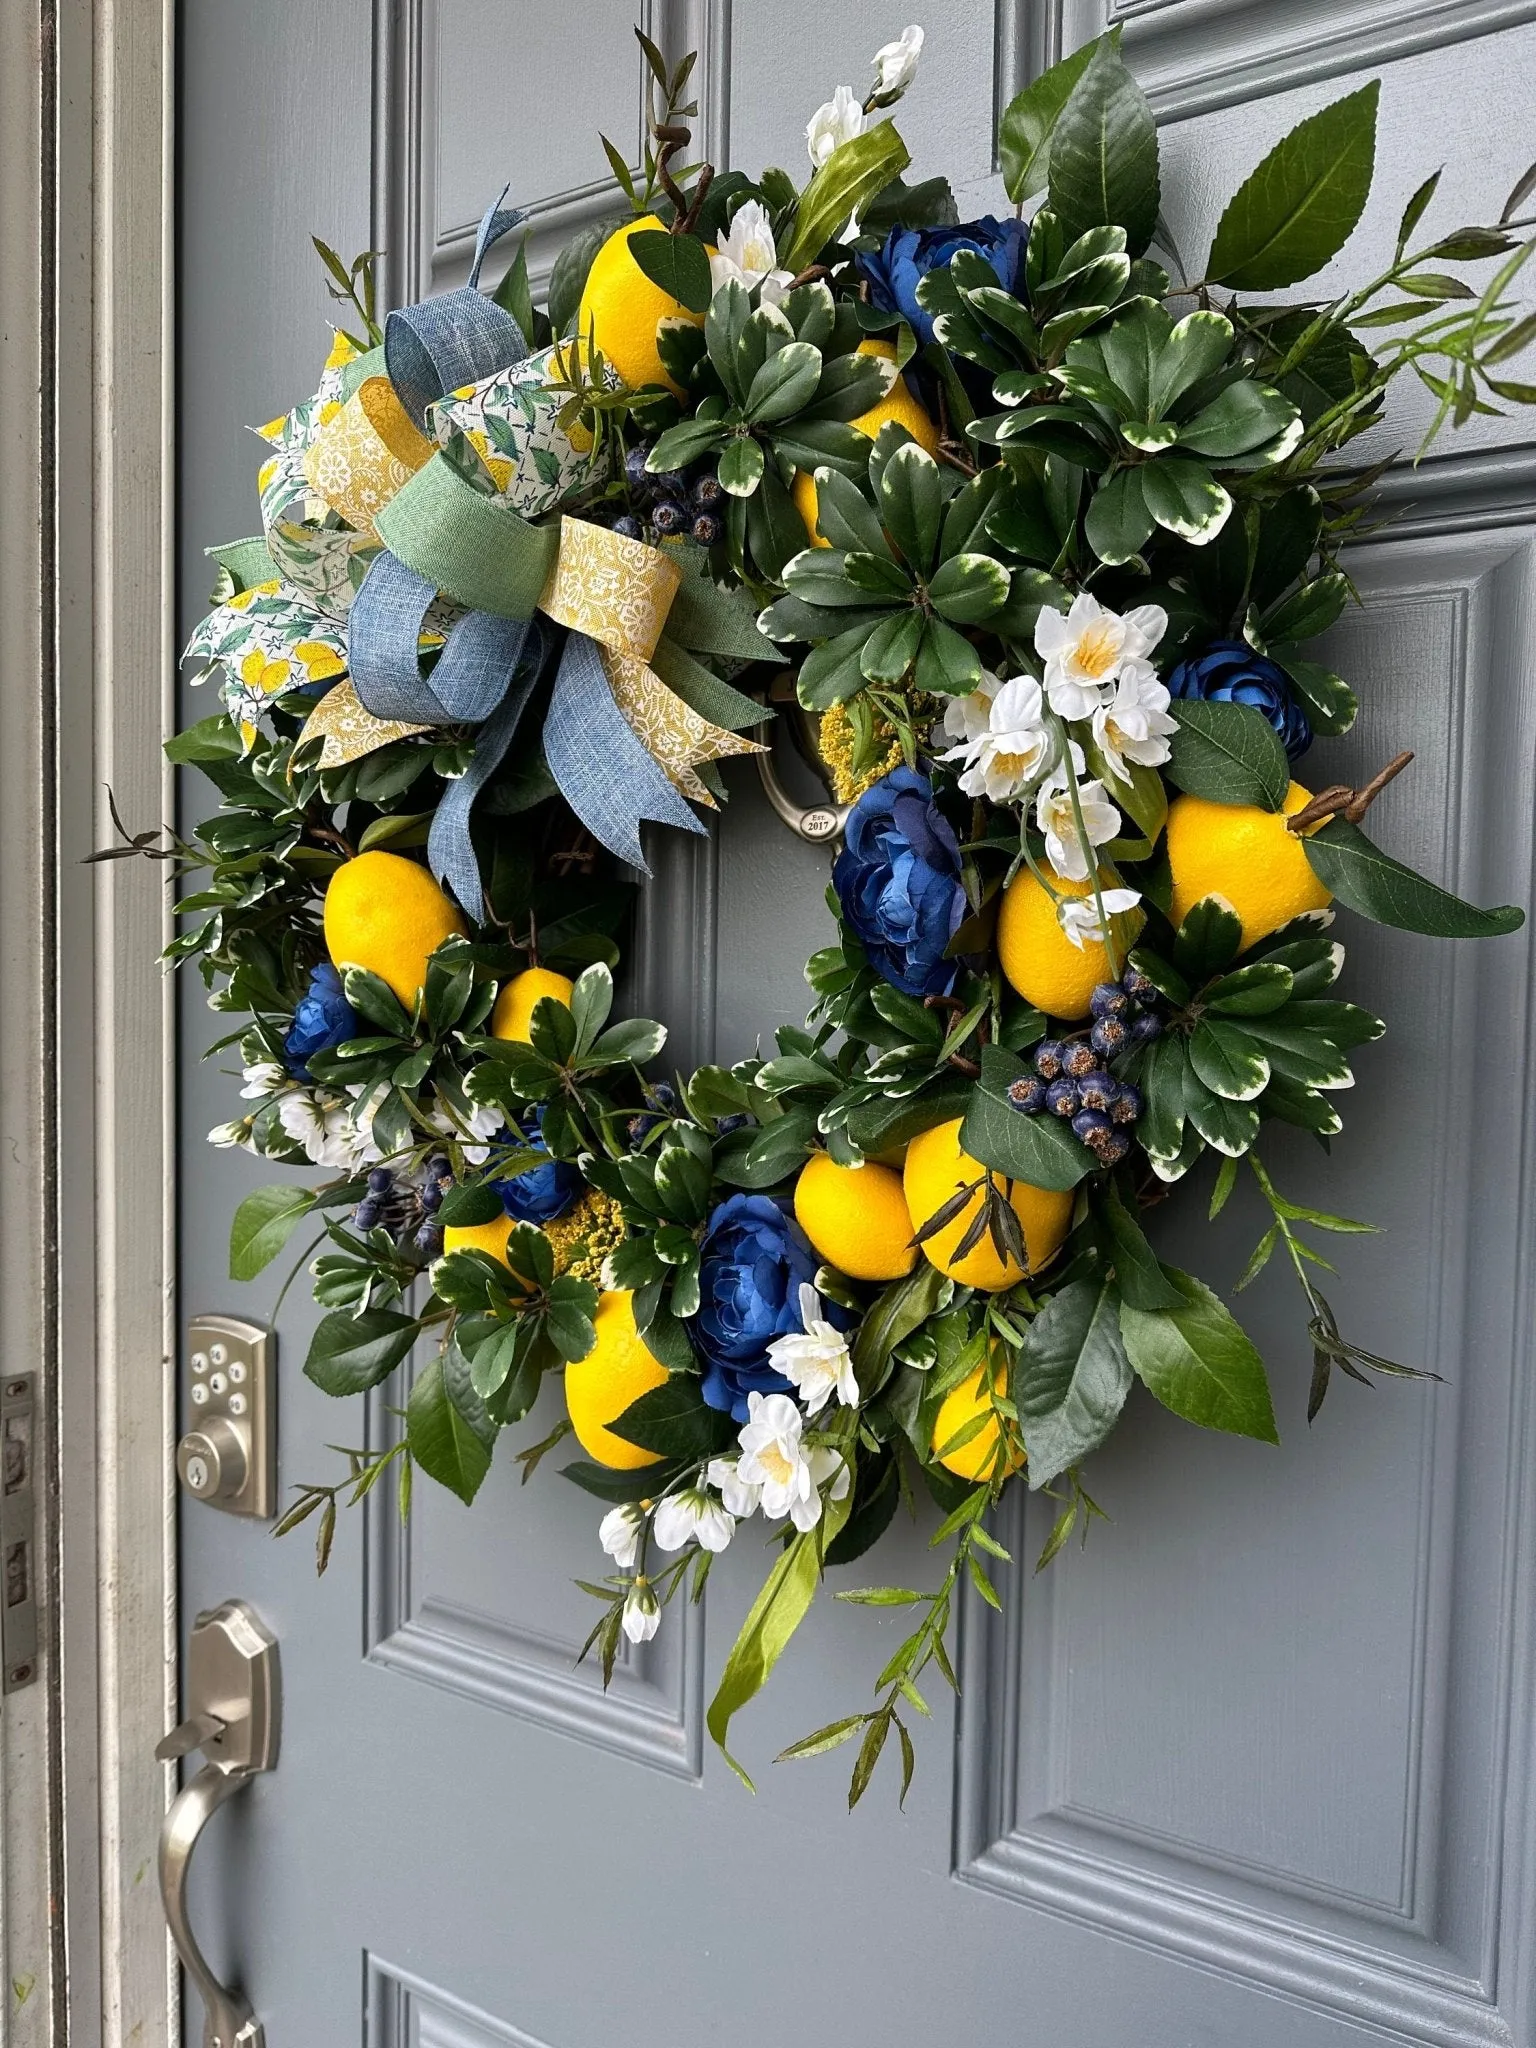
point(199, 1361)
point(217, 1383)
point(237, 1371)
point(237, 1404)
point(199, 1394)
point(217, 1353)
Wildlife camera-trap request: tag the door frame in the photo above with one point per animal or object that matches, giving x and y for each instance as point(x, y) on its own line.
point(87, 1082)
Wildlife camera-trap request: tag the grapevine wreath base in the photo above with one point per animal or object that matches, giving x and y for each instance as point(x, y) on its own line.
point(1041, 520)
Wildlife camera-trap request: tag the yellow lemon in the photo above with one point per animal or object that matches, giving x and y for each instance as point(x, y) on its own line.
point(936, 1170)
point(1039, 959)
point(856, 1218)
point(387, 914)
point(898, 404)
point(615, 1372)
point(515, 1005)
point(977, 1457)
point(1246, 855)
point(622, 309)
point(479, 1237)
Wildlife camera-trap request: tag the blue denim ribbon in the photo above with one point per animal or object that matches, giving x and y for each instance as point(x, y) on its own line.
point(604, 772)
point(458, 337)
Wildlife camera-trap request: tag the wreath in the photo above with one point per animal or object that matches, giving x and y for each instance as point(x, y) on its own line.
point(1043, 537)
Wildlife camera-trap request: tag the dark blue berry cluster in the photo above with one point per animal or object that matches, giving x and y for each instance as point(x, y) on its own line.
point(1072, 1079)
point(687, 504)
point(406, 1208)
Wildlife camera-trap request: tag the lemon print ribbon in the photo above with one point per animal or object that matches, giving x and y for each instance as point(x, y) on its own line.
point(633, 717)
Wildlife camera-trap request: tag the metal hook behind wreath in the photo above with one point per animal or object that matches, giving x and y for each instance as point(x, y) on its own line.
point(816, 824)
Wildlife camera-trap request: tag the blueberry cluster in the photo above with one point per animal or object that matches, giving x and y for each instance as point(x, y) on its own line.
point(686, 504)
point(407, 1209)
point(1072, 1078)
point(661, 1102)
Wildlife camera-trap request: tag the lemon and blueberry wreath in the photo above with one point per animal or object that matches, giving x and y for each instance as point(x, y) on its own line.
point(1042, 526)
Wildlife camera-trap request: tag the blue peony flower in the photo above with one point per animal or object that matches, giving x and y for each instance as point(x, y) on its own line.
point(754, 1258)
point(895, 271)
point(541, 1193)
point(898, 880)
point(323, 1018)
point(1230, 672)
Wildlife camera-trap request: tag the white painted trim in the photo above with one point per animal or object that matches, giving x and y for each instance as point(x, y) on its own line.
point(86, 1082)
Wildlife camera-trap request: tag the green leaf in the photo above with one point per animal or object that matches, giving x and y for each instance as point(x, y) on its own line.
point(678, 263)
point(1327, 699)
point(1252, 991)
point(1029, 122)
point(1229, 753)
point(968, 588)
point(449, 1433)
point(466, 1208)
point(1371, 882)
point(1070, 1378)
point(1103, 169)
point(1227, 1060)
point(604, 1482)
point(849, 179)
point(1185, 498)
point(374, 999)
point(1039, 1150)
point(674, 1420)
point(1199, 1362)
point(1207, 939)
point(349, 1353)
point(1239, 419)
point(780, 1607)
point(904, 1305)
point(1118, 524)
point(912, 503)
point(568, 279)
point(740, 468)
point(786, 381)
point(591, 1001)
point(1141, 1279)
point(263, 1224)
point(1296, 211)
point(1312, 608)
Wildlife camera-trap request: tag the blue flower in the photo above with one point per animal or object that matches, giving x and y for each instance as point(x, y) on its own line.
point(541, 1193)
point(895, 271)
point(323, 1018)
point(898, 880)
point(1230, 672)
point(754, 1258)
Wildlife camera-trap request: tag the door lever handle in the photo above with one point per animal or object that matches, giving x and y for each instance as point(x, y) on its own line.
point(233, 1712)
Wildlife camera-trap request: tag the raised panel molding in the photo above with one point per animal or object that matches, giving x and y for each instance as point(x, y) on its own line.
point(402, 2010)
point(422, 256)
point(1442, 1951)
point(652, 1712)
point(1196, 55)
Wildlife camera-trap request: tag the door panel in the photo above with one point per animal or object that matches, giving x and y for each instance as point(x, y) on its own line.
point(1253, 1768)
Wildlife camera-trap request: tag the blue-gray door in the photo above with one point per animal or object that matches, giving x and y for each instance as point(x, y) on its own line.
point(1254, 1771)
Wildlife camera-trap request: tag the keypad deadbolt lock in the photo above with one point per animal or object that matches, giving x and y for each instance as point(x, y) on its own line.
point(228, 1456)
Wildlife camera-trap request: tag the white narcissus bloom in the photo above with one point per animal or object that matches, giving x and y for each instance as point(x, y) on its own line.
point(1078, 916)
point(302, 1117)
point(692, 1516)
point(1056, 818)
point(740, 1496)
point(263, 1077)
point(474, 1118)
point(789, 1472)
point(748, 256)
point(895, 65)
point(1085, 650)
point(1134, 725)
point(642, 1612)
point(619, 1534)
point(815, 1359)
point(967, 718)
point(1015, 746)
point(237, 1133)
point(836, 122)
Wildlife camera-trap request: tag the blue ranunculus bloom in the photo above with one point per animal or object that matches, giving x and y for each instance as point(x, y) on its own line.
point(323, 1018)
point(898, 880)
point(1230, 672)
point(895, 271)
point(754, 1258)
point(544, 1192)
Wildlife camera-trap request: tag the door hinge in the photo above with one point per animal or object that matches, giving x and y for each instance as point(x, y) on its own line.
point(18, 1531)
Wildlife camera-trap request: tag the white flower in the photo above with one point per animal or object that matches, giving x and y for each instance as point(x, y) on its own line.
point(895, 65)
point(642, 1613)
point(472, 1119)
point(1134, 725)
point(1078, 916)
point(263, 1078)
point(619, 1534)
point(1014, 748)
point(836, 122)
point(692, 1516)
point(302, 1117)
point(237, 1133)
point(1085, 650)
point(1056, 819)
point(741, 1498)
point(789, 1473)
point(967, 718)
point(815, 1359)
point(748, 256)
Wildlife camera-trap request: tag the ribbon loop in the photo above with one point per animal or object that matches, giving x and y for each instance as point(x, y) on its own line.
point(604, 773)
point(450, 850)
point(483, 554)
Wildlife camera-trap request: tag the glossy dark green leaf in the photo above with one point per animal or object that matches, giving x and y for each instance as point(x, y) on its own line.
point(679, 264)
point(262, 1225)
point(450, 1435)
point(1228, 753)
point(1038, 1149)
point(1029, 121)
point(1070, 1378)
point(1295, 212)
point(1141, 1280)
point(1199, 1362)
point(1103, 168)
point(912, 504)
point(1375, 885)
point(898, 1311)
point(349, 1353)
point(467, 1208)
point(674, 1420)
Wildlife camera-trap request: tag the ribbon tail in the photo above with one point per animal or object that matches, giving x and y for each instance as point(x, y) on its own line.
point(450, 850)
point(603, 771)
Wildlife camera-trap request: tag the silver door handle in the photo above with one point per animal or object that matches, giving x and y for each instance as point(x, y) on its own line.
point(233, 1714)
point(818, 824)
